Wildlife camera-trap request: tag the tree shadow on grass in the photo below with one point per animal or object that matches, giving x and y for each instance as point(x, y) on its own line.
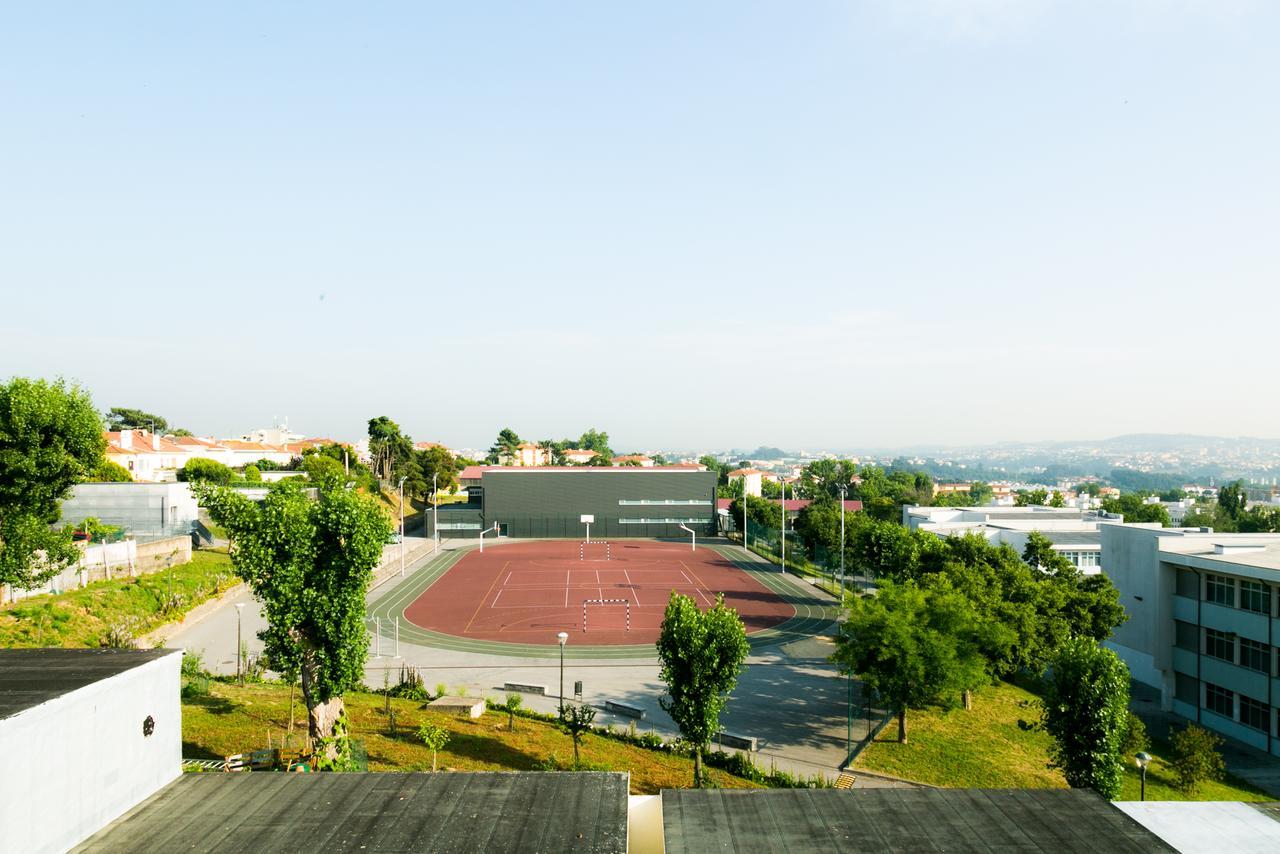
point(212, 704)
point(191, 750)
point(477, 747)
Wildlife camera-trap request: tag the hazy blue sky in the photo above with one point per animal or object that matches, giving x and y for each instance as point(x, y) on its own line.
point(689, 224)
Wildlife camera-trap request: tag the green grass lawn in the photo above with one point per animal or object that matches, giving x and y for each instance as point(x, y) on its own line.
point(994, 746)
point(232, 719)
point(83, 617)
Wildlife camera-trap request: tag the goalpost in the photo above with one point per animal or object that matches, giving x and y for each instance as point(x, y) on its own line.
point(615, 602)
point(582, 549)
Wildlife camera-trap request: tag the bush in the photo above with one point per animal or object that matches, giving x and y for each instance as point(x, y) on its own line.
point(208, 471)
point(252, 474)
point(1195, 757)
point(1135, 737)
point(109, 472)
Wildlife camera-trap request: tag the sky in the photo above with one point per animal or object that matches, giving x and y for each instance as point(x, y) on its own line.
point(692, 225)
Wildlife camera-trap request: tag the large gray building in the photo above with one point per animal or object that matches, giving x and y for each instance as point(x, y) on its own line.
point(550, 501)
point(1204, 623)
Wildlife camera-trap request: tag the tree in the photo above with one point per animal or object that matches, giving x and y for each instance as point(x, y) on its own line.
point(825, 477)
point(1031, 497)
point(577, 720)
point(1135, 737)
point(1232, 499)
point(389, 448)
point(435, 738)
point(252, 474)
point(1090, 488)
point(1195, 757)
point(1057, 500)
point(201, 470)
point(309, 563)
point(122, 418)
point(439, 462)
point(504, 446)
point(913, 646)
point(981, 493)
point(109, 472)
point(1135, 509)
point(595, 440)
point(50, 439)
point(1039, 553)
point(511, 705)
point(700, 653)
point(1086, 706)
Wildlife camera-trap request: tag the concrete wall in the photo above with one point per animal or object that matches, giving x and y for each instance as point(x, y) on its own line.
point(1132, 558)
point(111, 560)
point(78, 762)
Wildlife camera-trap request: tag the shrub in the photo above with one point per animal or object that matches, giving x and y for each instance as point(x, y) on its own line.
point(1195, 757)
point(1135, 737)
point(252, 474)
point(210, 471)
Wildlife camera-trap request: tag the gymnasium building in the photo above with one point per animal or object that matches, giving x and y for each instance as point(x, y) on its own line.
point(552, 501)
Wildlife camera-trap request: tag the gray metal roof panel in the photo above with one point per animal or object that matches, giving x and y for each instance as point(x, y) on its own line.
point(31, 677)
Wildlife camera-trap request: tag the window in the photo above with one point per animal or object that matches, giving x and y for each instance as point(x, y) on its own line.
point(1088, 559)
point(1186, 635)
point(459, 526)
point(1188, 584)
point(1255, 656)
point(1254, 714)
point(1220, 645)
point(1255, 596)
point(1220, 589)
point(648, 521)
point(680, 502)
point(1186, 688)
point(1219, 700)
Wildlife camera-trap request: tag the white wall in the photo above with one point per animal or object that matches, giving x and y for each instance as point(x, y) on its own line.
point(76, 763)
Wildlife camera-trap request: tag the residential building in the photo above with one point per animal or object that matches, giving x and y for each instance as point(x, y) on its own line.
point(752, 480)
point(277, 434)
point(578, 456)
point(527, 455)
point(634, 460)
point(1203, 623)
point(147, 456)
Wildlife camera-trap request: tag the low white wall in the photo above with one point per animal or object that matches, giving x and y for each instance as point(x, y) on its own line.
point(78, 762)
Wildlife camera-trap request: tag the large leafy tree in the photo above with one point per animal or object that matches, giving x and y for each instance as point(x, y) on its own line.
point(124, 418)
point(914, 646)
point(1136, 509)
point(439, 462)
point(1232, 499)
point(504, 446)
point(50, 438)
point(203, 470)
point(309, 563)
point(825, 477)
point(391, 450)
point(1086, 703)
point(1031, 498)
point(701, 653)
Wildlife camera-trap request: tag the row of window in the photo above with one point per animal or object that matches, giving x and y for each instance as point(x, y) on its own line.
point(1252, 713)
point(1224, 646)
point(681, 502)
point(1223, 590)
point(459, 526)
point(648, 521)
point(1083, 560)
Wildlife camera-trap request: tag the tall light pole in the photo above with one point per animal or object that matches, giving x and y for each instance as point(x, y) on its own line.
point(563, 637)
point(783, 504)
point(844, 490)
point(239, 671)
point(402, 480)
point(435, 515)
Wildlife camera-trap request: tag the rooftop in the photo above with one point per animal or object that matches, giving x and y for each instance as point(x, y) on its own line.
point(475, 472)
point(32, 677)
point(1004, 820)
point(383, 811)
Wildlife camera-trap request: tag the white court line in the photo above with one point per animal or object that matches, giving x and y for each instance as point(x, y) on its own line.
point(627, 576)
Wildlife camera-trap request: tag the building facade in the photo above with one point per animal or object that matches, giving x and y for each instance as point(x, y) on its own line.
point(1204, 624)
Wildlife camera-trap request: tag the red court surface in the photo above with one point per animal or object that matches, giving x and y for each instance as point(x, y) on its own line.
point(529, 592)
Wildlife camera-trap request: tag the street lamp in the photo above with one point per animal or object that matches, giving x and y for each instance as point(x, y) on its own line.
point(1142, 760)
point(402, 480)
point(844, 490)
point(783, 503)
point(435, 515)
point(239, 671)
point(563, 637)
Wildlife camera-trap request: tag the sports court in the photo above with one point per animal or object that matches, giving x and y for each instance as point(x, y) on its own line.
point(601, 593)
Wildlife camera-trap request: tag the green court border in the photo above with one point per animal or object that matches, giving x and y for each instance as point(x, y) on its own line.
point(813, 616)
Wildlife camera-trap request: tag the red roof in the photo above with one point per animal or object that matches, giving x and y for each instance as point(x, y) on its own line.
point(475, 472)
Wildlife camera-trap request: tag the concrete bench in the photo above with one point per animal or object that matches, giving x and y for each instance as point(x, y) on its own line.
point(467, 707)
point(522, 688)
point(624, 709)
point(741, 742)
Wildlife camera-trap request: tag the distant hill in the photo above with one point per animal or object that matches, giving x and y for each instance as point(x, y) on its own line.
point(763, 453)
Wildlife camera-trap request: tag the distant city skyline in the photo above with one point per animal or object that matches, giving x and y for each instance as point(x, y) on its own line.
point(879, 225)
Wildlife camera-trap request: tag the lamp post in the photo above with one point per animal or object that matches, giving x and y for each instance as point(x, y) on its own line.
point(435, 515)
point(402, 480)
point(563, 637)
point(844, 490)
point(239, 671)
point(783, 504)
point(1142, 760)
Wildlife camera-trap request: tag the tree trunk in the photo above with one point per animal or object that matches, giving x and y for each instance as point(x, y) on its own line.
point(902, 725)
point(967, 698)
point(321, 716)
point(697, 767)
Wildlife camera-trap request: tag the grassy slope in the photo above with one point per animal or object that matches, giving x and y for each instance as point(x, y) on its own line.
point(991, 747)
point(233, 719)
point(80, 618)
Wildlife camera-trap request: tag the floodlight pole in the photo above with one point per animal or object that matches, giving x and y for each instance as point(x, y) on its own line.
point(783, 504)
point(562, 637)
point(486, 531)
point(844, 490)
point(435, 515)
point(693, 543)
point(402, 480)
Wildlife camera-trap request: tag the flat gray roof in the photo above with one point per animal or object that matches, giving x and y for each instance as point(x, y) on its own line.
point(953, 820)
point(446, 812)
point(30, 677)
